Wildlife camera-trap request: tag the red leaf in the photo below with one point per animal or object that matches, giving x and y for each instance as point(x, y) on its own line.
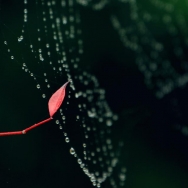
point(56, 100)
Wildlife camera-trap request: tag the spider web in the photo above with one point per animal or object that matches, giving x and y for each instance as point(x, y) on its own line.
point(44, 39)
point(156, 31)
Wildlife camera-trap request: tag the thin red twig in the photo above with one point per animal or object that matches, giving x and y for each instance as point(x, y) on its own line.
point(11, 133)
point(25, 130)
point(36, 125)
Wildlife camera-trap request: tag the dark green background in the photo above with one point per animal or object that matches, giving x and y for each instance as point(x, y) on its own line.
point(155, 154)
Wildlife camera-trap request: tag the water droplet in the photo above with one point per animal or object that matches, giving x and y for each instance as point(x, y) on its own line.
point(67, 140)
point(12, 57)
point(5, 42)
point(109, 122)
point(57, 121)
point(82, 165)
point(122, 177)
point(20, 38)
point(43, 96)
point(41, 58)
point(115, 117)
point(72, 152)
point(79, 161)
point(98, 185)
point(38, 86)
point(25, 11)
point(91, 114)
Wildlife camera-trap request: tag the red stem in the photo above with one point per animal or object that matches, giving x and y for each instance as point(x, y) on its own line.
point(11, 133)
point(25, 130)
point(36, 125)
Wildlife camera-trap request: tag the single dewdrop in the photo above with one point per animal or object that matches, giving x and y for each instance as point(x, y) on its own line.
point(53, 105)
point(20, 38)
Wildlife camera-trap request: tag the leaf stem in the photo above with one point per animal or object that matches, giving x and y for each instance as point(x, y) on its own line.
point(25, 130)
point(36, 125)
point(11, 133)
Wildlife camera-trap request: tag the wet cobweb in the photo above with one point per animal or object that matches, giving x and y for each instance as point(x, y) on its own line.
point(149, 30)
point(156, 32)
point(44, 39)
